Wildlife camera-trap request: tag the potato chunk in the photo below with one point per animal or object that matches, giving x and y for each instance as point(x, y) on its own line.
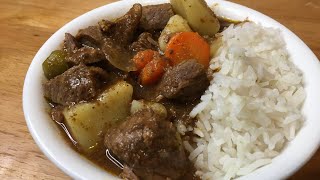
point(199, 16)
point(138, 105)
point(87, 122)
point(215, 45)
point(175, 24)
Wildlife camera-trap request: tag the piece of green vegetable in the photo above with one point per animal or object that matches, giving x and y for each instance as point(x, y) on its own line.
point(199, 16)
point(55, 64)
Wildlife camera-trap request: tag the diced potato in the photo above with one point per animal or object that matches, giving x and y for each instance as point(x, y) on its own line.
point(88, 121)
point(215, 45)
point(175, 24)
point(178, 7)
point(141, 104)
point(199, 16)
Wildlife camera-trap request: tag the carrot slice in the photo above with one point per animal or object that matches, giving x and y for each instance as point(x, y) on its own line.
point(188, 45)
point(142, 58)
point(153, 71)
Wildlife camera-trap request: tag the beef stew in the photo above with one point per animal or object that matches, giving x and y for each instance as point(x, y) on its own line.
point(101, 69)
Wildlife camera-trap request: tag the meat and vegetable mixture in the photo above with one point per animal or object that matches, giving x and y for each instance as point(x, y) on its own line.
point(120, 88)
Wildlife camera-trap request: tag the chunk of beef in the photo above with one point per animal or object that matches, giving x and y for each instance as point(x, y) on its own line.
point(79, 83)
point(155, 17)
point(70, 43)
point(149, 144)
point(144, 41)
point(85, 55)
point(186, 81)
point(90, 36)
point(125, 27)
point(105, 25)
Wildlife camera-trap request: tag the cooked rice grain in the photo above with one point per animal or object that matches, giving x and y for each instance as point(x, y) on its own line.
point(252, 107)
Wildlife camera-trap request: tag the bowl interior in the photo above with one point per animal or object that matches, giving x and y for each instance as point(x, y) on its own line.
point(52, 143)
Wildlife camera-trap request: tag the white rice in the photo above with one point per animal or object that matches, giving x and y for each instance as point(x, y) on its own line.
point(252, 107)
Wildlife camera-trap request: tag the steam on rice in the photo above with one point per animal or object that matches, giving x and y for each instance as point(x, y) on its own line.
point(252, 107)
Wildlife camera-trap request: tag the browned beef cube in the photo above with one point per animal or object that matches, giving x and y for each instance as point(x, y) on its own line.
point(155, 17)
point(124, 28)
point(90, 36)
point(85, 55)
point(144, 41)
point(70, 43)
point(186, 81)
point(149, 144)
point(79, 83)
point(105, 25)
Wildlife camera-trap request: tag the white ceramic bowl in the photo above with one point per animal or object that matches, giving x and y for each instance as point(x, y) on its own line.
point(48, 137)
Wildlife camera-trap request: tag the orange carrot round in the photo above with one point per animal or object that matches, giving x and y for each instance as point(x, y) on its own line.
point(142, 58)
point(153, 71)
point(188, 45)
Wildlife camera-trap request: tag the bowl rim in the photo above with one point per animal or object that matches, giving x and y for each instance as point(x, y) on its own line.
point(281, 170)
